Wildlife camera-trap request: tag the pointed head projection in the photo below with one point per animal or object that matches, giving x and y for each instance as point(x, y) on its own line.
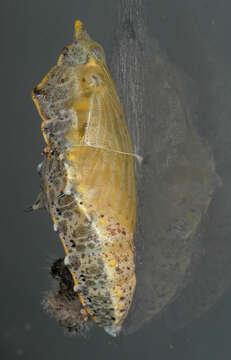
point(56, 94)
point(82, 50)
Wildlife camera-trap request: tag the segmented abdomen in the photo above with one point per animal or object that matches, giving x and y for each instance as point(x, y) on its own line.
point(88, 178)
point(99, 248)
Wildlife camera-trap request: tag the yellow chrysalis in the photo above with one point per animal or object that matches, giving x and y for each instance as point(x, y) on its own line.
point(87, 178)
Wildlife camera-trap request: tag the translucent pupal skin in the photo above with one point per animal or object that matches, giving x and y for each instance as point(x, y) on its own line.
point(176, 181)
point(90, 163)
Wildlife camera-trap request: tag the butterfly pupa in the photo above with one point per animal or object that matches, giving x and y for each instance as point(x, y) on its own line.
point(87, 178)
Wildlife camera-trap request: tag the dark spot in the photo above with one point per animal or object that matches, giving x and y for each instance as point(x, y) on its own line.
point(61, 273)
point(72, 243)
point(38, 91)
point(58, 211)
point(65, 50)
point(82, 277)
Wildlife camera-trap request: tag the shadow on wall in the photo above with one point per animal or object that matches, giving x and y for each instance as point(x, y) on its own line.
point(183, 184)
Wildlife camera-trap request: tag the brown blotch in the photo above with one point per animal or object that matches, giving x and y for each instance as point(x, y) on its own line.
point(94, 270)
point(90, 283)
point(118, 270)
point(77, 264)
point(82, 230)
point(56, 182)
point(67, 200)
point(80, 247)
point(39, 91)
point(75, 234)
point(67, 214)
point(63, 226)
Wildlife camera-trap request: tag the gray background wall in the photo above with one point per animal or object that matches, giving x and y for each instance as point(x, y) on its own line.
point(32, 35)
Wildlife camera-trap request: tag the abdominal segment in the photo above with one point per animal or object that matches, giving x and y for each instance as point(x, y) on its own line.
point(99, 250)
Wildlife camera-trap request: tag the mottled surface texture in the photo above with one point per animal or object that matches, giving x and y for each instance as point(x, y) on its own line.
point(87, 178)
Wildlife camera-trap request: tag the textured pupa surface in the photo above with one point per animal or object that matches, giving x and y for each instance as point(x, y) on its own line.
point(87, 178)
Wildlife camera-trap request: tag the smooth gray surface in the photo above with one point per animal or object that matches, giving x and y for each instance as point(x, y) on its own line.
point(33, 33)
